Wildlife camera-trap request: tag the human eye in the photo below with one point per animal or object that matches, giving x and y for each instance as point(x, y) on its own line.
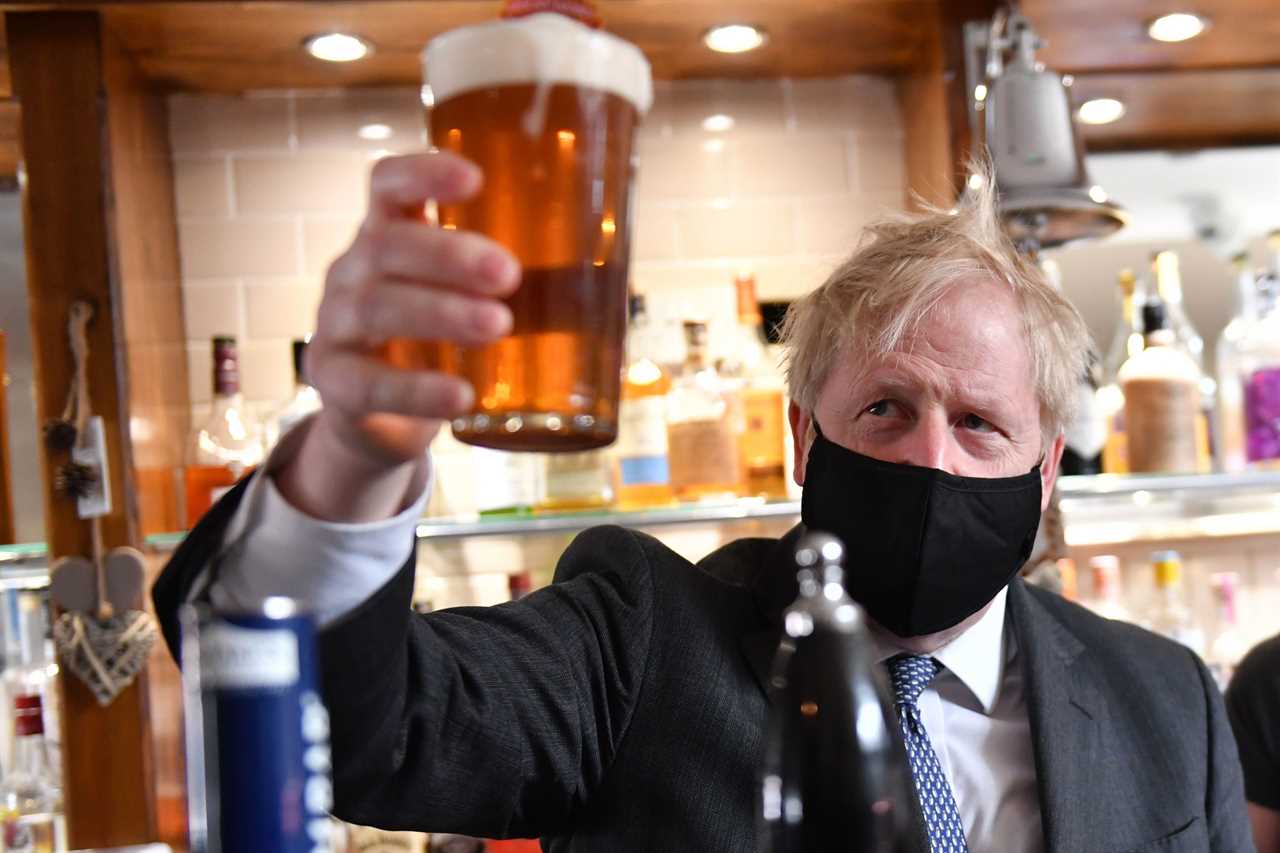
point(976, 423)
point(884, 409)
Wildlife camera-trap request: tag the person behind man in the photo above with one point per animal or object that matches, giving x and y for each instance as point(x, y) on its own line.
point(623, 707)
point(1253, 707)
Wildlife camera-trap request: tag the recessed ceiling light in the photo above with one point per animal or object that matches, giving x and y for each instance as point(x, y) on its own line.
point(376, 131)
point(717, 123)
point(337, 47)
point(980, 92)
point(1178, 26)
point(1098, 194)
point(1100, 111)
point(733, 38)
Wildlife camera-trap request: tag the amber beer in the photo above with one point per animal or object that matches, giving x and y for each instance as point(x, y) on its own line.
point(548, 109)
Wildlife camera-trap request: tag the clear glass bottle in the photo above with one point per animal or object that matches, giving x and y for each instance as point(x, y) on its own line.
point(30, 800)
point(1125, 343)
point(1229, 644)
point(761, 394)
point(1168, 277)
point(835, 775)
point(507, 483)
point(1161, 387)
point(304, 401)
point(641, 454)
point(228, 444)
point(1170, 614)
point(1108, 597)
point(1230, 432)
point(704, 425)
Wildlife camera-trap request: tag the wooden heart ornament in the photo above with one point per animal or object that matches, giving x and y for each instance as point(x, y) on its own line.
point(74, 582)
point(106, 655)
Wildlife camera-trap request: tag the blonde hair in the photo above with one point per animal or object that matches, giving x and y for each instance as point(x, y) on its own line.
point(900, 270)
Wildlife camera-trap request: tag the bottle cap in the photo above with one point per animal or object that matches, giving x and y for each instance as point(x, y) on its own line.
point(1154, 316)
point(519, 585)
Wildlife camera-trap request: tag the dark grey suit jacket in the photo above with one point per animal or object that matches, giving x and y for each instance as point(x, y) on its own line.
point(622, 708)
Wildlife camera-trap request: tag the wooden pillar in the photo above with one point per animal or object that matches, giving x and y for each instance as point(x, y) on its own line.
point(934, 98)
point(98, 212)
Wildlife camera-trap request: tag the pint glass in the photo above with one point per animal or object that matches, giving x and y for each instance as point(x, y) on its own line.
point(548, 108)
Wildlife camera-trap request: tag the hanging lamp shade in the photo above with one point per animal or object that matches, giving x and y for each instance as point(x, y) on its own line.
point(1045, 195)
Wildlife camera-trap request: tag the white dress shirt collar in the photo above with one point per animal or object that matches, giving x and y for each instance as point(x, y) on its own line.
point(978, 656)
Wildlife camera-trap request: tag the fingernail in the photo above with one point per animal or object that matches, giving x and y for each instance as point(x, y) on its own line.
point(498, 268)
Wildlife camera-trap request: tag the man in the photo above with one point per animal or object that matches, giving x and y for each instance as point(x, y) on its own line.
point(622, 708)
point(1253, 707)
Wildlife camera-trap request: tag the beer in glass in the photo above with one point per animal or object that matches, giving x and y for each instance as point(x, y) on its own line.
point(548, 108)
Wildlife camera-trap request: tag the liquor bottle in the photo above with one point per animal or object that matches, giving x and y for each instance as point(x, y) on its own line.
point(1170, 614)
point(228, 444)
point(576, 481)
point(703, 426)
point(1230, 432)
point(1125, 343)
point(31, 672)
point(30, 802)
point(1169, 288)
point(835, 775)
point(1260, 375)
point(1108, 598)
point(1161, 401)
point(641, 454)
point(1229, 645)
point(760, 392)
point(301, 403)
point(507, 483)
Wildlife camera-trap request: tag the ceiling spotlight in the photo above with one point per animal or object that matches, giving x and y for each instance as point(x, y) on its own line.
point(337, 47)
point(1100, 111)
point(980, 92)
point(375, 132)
point(717, 123)
point(1178, 26)
point(1098, 194)
point(733, 38)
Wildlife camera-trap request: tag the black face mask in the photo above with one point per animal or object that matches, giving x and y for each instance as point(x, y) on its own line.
point(924, 549)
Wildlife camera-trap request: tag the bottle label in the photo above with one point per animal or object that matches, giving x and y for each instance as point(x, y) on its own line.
point(1160, 420)
point(1262, 415)
point(28, 716)
point(246, 658)
point(645, 471)
point(764, 432)
point(704, 453)
point(642, 442)
point(577, 476)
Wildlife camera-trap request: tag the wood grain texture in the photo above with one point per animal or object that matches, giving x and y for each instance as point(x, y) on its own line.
point(148, 282)
point(6, 476)
point(57, 70)
point(1185, 109)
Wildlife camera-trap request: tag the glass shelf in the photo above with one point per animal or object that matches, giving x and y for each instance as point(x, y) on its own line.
point(1103, 508)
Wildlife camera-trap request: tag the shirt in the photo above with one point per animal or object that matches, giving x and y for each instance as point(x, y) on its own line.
point(974, 711)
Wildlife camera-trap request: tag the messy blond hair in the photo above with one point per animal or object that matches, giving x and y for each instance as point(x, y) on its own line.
point(900, 270)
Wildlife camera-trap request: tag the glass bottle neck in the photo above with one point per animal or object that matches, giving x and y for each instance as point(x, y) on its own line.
point(30, 756)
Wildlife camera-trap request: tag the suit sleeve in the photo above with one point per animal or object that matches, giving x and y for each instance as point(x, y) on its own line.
point(1225, 810)
point(497, 721)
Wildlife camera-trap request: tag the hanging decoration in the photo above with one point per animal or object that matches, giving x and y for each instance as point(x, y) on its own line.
point(102, 637)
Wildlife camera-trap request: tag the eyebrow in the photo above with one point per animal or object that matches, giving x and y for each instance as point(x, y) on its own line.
point(894, 381)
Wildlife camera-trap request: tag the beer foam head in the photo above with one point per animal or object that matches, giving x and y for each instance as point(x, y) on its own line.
point(545, 48)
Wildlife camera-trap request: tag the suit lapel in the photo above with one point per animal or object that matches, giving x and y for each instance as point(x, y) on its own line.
point(1066, 713)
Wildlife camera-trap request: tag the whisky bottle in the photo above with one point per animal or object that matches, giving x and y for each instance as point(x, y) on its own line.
point(641, 455)
point(1161, 388)
point(760, 392)
point(228, 444)
point(704, 425)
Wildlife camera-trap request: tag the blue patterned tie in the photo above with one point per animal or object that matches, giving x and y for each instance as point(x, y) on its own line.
point(910, 675)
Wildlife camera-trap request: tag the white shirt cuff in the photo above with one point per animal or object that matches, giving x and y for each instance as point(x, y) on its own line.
point(329, 568)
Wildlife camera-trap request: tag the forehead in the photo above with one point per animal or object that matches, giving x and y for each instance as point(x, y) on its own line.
point(970, 342)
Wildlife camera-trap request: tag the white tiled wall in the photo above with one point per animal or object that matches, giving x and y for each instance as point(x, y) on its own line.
point(271, 186)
